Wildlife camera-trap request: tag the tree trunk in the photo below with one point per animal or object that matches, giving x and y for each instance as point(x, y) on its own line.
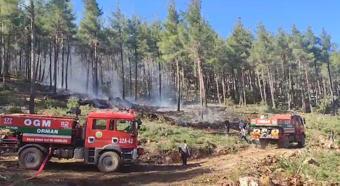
point(44, 68)
point(87, 75)
point(136, 73)
point(201, 83)
point(324, 88)
point(244, 102)
point(130, 76)
point(123, 74)
point(3, 60)
point(308, 89)
point(264, 87)
point(159, 80)
point(224, 91)
point(20, 61)
point(271, 87)
point(260, 87)
point(50, 67)
point(56, 56)
point(95, 70)
point(32, 86)
point(218, 89)
point(317, 92)
point(302, 92)
point(234, 91)
point(178, 77)
point(38, 67)
point(289, 96)
point(62, 62)
point(68, 59)
point(331, 87)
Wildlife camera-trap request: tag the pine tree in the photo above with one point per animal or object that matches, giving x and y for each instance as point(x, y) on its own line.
point(133, 31)
point(8, 12)
point(171, 46)
point(239, 45)
point(325, 50)
point(118, 27)
point(283, 54)
point(196, 43)
point(89, 35)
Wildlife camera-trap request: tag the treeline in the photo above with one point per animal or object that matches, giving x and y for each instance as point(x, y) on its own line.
point(285, 70)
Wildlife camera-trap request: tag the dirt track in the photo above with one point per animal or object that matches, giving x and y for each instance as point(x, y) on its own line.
point(204, 171)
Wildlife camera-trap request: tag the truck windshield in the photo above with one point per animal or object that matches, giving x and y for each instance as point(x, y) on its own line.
point(283, 121)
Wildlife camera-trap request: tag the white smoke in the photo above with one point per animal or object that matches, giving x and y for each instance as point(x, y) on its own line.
point(110, 82)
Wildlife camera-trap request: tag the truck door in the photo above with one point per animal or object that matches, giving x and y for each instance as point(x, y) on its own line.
point(103, 132)
point(95, 133)
point(123, 133)
point(299, 127)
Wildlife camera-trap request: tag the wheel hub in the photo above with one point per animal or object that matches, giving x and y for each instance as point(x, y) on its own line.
point(30, 158)
point(107, 161)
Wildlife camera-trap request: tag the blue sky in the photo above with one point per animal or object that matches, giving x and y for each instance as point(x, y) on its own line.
point(222, 14)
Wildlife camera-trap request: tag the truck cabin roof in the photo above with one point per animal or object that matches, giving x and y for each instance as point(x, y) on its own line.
point(112, 115)
point(281, 116)
point(273, 119)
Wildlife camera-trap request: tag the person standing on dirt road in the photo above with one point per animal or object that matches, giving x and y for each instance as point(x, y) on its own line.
point(185, 152)
point(227, 126)
point(241, 124)
point(244, 134)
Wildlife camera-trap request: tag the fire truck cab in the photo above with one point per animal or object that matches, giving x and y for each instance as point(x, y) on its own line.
point(107, 139)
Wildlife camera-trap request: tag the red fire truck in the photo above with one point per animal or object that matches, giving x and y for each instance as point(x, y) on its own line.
point(282, 129)
point(107, 139)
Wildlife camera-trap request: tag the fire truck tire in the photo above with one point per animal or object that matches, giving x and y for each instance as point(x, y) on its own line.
point(301, 143)
point(284, 142)
point(263, 144)
point(30, 158)
point(108, 162)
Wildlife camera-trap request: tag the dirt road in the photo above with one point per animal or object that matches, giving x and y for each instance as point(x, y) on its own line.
point(204, 171)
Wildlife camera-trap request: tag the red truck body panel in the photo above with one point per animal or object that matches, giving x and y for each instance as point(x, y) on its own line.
point(40, 128)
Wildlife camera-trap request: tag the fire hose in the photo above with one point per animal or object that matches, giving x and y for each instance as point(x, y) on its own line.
point(41, 168)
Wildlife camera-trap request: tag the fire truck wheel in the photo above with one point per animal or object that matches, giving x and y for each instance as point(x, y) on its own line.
point(264, 143)
point(301, 143)
point(283, 142)
point(30, 158)
point(108, 162)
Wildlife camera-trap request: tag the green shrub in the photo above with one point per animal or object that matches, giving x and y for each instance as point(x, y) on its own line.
point(325, 105)
point(166, 138)
point(14, 110)
point(48, 103)
point(325, 168)
point(72, 103)
point(8, 97)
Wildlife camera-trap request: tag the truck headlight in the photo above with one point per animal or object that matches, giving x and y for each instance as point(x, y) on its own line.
point(275, 132)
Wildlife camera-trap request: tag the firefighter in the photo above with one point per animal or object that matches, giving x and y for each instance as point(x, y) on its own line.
point(185, 152)
point(241, 124)
point(227, 126)
point(244, 134)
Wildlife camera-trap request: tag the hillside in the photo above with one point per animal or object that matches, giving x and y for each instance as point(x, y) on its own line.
point(217, 158)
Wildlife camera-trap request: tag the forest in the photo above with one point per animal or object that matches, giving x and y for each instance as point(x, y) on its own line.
point(181, 58)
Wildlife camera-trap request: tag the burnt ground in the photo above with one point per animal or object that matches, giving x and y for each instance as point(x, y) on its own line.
point(77, 173)
point(211, 170)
